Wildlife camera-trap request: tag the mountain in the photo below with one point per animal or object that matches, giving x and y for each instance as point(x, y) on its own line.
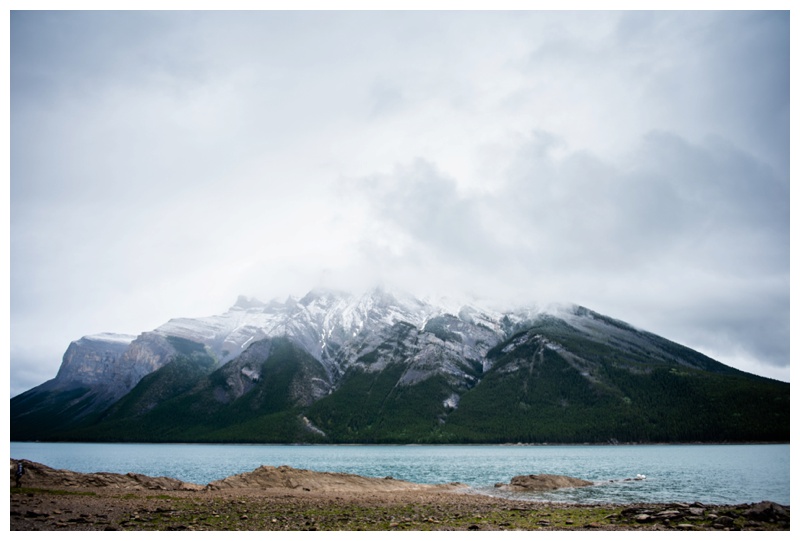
point(387, 367)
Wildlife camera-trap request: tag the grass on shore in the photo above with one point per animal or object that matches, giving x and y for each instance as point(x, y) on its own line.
point(223, 514)
point(286, 512)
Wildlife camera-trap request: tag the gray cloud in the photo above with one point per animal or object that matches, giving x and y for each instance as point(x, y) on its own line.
point(636, 162)
point(697, 229)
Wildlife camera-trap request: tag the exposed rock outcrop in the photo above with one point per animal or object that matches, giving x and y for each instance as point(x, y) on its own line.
point(543, 482)
point(92, 360)
point(698, 516)
point(266, 477)
point(41, 476)
point(112, 364)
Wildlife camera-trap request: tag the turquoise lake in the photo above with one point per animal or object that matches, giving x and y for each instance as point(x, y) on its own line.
point(686, 473)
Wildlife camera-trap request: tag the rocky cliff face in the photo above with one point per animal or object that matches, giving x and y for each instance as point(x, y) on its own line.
point(93, 360)
point(146, 354)
point(112, 363)
point(252, 371)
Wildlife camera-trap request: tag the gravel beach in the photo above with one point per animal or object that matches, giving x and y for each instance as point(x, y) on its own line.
point(301, 500)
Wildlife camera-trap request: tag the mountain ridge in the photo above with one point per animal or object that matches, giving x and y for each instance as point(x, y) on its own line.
point(385, 366)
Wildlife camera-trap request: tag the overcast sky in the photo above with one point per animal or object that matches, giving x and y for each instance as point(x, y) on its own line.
point(636, 163)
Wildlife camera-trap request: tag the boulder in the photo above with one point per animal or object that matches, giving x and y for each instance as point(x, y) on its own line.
point(767, 511)
point(544, 482)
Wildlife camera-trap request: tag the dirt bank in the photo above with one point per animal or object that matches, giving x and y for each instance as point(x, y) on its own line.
point(288, 499)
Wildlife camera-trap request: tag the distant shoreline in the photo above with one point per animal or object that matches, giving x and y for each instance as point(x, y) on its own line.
point(304, 444)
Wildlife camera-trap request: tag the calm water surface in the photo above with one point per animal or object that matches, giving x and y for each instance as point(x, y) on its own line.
point(706, 473)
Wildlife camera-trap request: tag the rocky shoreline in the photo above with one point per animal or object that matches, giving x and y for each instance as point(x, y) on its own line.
point(288, 499)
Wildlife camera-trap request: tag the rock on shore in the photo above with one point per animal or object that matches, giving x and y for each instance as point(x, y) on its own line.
point(39, 475)
point(287, 477)
point(543, 482)
point(264, 477)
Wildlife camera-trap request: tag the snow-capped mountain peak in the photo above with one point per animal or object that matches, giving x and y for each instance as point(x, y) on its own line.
point(336, 328)
point(322, 321)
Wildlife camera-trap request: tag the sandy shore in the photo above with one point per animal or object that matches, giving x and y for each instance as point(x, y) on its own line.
point(296, 500)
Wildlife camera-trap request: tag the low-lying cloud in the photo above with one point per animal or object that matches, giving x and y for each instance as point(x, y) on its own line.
point(163, 163)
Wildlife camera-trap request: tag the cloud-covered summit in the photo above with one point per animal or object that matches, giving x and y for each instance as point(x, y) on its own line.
point(636, 163)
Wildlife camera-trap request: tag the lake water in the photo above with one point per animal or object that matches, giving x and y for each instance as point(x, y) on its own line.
point(686, 473)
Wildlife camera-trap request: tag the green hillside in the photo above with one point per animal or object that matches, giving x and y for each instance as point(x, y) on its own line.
point(587, 380)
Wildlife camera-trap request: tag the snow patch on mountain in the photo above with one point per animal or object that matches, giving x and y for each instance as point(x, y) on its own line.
point(252, 374)
point(111, 337)
point(451, 402)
